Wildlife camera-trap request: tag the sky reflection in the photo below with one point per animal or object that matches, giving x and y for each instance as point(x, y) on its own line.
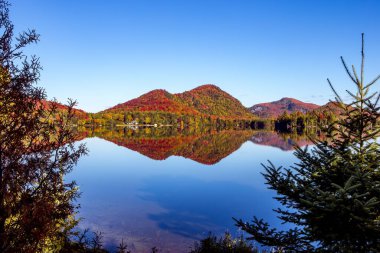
point(171, 203)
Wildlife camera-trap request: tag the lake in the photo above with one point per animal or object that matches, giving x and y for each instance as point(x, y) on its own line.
point(164, 188)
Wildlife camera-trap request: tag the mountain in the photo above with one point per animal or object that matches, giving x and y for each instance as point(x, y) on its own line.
point(207, 100)
point(276, 108)
point(329, 107)
point(78, 113)
point(204, 102)
point(210, 99)
point(156, 100)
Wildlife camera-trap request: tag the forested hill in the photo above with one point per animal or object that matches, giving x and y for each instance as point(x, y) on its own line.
point(210, 99)
point(331, 107)
point(207, 100)
point(155, 100)
point(204, 105)
point(276, 108)
point(61, 107)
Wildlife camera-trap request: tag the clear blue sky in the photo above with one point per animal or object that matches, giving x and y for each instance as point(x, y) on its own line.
point(107, 52)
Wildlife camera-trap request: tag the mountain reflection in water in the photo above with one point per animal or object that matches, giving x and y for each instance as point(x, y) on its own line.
point(167, 187)
point(206, 147)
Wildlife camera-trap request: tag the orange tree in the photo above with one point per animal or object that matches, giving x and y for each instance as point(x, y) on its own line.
point(36, 151)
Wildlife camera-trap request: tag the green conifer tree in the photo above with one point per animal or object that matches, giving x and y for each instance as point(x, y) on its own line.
point(332, 194)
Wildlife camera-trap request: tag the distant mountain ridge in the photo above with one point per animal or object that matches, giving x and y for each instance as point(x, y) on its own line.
point(330, 107)
point(207, 100)
point(276, 108)
point(155, 100)
point(210, 99)
point(61, 107)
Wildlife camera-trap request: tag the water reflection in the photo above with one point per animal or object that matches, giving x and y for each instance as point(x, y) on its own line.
point(145, 191)
point(206, 146)
point(192, 213)
point(283, 141)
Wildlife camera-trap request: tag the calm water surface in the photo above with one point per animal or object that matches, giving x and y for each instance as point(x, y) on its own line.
point(169, 192)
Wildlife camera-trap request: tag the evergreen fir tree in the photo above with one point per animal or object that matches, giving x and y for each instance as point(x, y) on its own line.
point(332, 194)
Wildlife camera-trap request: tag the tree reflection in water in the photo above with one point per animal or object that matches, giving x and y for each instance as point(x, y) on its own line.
point(206, 146)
